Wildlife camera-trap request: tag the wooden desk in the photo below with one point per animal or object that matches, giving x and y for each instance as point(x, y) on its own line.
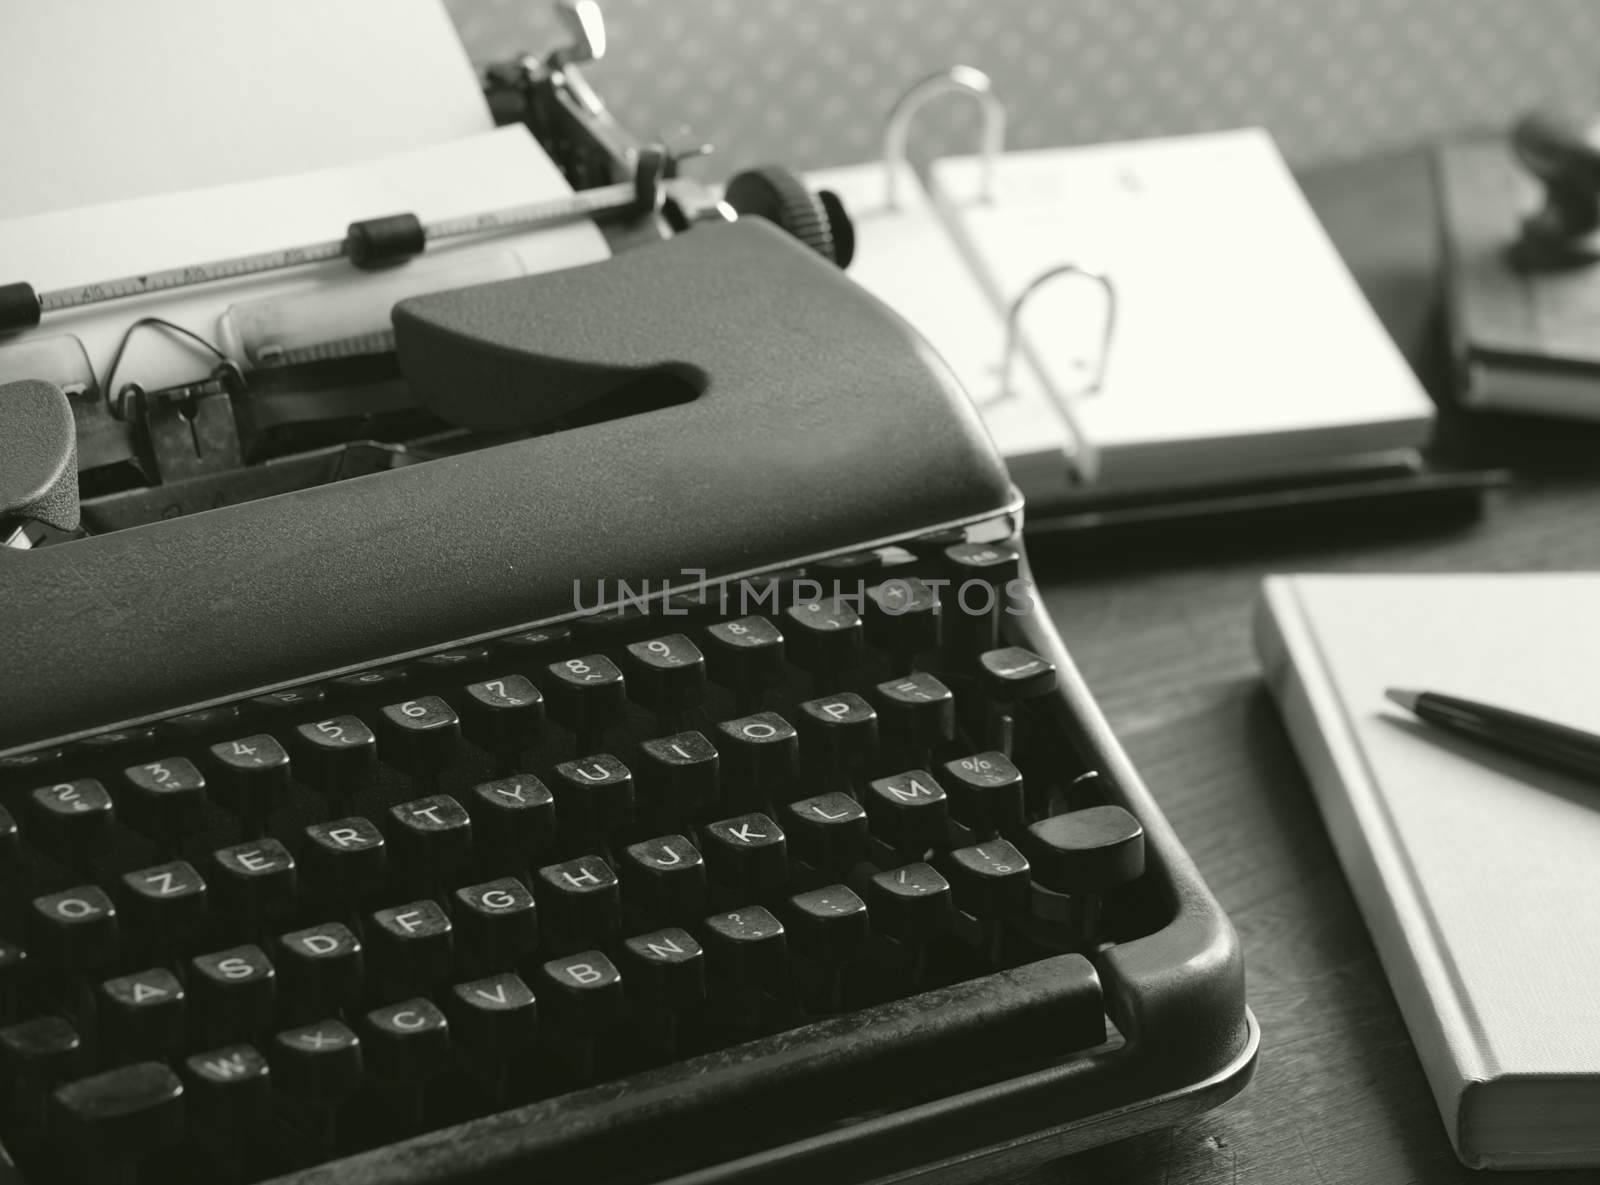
point(1339, 1095)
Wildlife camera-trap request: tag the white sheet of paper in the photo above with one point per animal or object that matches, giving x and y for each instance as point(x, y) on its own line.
point(487, 171)
point(113, 99)
point(905, 257)
point(1241, 341)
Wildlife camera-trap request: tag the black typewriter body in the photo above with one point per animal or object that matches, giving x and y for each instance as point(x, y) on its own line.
point(343, 832)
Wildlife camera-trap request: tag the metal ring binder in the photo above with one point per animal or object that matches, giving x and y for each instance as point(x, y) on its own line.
point(961, 80)
point(1014, 324)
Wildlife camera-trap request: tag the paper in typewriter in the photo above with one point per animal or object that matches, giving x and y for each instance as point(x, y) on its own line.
point(1242, 344)
point(113, 99)
point(1474, 871)
point(484, 171)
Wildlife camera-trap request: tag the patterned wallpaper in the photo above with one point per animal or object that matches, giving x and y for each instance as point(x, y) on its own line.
point(806, 82)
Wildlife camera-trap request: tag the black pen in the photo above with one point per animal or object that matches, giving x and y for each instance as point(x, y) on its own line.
point(1543, 741)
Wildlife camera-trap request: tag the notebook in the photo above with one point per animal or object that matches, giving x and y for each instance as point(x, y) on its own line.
point(1242, 345)
point(1475, 872)
point(1527, 342)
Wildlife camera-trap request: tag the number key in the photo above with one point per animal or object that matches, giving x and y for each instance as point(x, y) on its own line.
point(451, 660)
point(20, 764)
point(746, 655)
point(905, 616)
point(191, 726)
point(338, 755)
point(71, 820)
point(164, 796)
point(289, 700)
point(373, 682)
point(504, 714)
point(825, 636)
point(421, 735)
point(669, 673)
point(587, 694)
point(252, 777)
point(986, 792)
point(990, 880)
point(534, 643)
point(119, 742)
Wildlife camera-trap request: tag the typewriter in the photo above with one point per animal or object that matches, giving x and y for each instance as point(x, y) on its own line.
point(641, 757)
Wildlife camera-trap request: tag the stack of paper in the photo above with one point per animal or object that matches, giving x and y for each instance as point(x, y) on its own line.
point(296, 126)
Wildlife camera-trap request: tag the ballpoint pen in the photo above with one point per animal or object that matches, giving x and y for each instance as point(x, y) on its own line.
point(1558, 746)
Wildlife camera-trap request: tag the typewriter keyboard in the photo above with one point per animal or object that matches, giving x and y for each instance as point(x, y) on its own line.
point(261, 936)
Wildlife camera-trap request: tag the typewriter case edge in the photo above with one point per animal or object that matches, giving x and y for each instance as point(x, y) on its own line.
point(840, 425)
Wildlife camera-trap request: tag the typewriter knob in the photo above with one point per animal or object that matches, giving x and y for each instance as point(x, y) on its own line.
point(38, 461)
point(817, 219)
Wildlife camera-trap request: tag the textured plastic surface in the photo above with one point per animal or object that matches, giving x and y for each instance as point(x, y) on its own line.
point(823, 420)
point(38, 455)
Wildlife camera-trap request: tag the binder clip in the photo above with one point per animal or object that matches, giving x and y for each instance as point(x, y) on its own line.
point(1108, 330)
point(969, 190)
point(906, 256)
point(957, 80)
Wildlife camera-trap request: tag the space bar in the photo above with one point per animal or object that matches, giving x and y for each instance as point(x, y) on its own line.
point(772, 1090)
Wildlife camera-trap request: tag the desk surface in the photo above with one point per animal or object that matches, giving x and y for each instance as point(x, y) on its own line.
point(1339, 1095)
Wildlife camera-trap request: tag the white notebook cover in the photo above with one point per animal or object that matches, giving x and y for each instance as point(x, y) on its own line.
point(1475, 872)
